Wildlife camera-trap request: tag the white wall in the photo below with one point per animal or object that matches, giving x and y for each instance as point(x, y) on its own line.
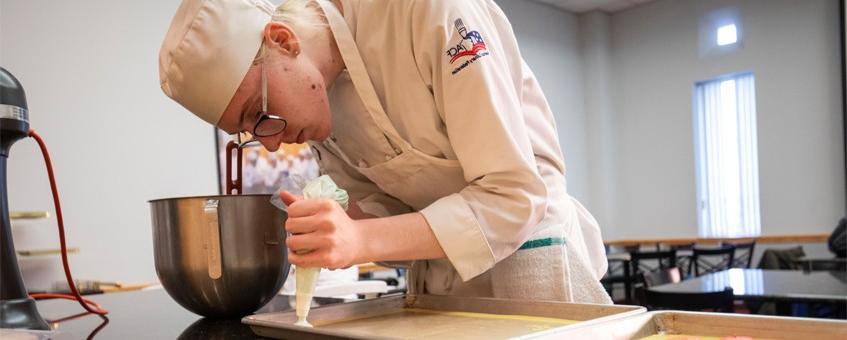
point(549, 42)
point(90, 71)
point(596, 49)
point(791, 47)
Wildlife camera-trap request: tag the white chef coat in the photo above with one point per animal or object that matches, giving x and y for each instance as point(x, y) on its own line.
point(437, 112)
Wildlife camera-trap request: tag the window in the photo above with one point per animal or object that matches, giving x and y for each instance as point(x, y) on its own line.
point(720, 32)
point(727, 157)
point(727, 35)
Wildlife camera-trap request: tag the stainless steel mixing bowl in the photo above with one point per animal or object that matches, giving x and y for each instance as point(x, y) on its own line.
point(220, 256)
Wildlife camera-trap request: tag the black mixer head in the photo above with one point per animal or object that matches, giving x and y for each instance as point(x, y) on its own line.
point(14, 118)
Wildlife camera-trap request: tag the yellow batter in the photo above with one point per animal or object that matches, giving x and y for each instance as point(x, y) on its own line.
point(413, 323)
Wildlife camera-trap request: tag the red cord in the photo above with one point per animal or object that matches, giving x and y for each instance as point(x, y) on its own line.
point(75, 294)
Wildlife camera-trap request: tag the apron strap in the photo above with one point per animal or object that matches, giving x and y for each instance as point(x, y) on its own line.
point(359, 73)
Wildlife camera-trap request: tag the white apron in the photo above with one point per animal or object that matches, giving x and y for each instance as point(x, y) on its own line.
point(546, 267)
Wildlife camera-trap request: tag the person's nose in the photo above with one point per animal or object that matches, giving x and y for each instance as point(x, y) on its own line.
point(271, 143)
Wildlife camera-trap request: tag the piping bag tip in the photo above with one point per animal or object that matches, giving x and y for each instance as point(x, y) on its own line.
point(303, 323)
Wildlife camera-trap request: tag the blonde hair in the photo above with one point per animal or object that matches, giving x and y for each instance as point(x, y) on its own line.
point(301, 15)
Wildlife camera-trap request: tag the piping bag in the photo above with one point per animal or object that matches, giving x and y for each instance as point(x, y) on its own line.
point(305, 278)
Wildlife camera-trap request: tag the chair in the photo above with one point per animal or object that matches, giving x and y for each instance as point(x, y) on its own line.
point(655, 278)
point(710, 260)
point(610, 279)
point(618, 272)
point(664, 258)
point(662, 276)
point(642, 262)
point(615, 264)
point(632, 247)
point(743, 253)
point(683, 253)
point(683, 246)
point(720, 301)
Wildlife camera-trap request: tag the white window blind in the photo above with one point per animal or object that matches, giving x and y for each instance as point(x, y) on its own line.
point(727, 157)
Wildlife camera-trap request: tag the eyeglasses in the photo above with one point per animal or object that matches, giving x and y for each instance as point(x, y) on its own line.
point(267, 125)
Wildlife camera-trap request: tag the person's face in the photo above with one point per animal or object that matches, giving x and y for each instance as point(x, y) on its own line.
point(296, 92)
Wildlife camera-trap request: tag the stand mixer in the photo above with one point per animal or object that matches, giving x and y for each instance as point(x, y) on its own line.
point(218, 256)
point(17, 309)
point(17, 306)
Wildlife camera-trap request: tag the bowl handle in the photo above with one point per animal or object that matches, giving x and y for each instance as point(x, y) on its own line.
point(212, 239)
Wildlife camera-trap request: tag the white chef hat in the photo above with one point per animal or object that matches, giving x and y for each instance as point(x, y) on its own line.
point(207, 51)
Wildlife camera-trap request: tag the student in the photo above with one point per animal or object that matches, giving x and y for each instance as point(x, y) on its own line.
point(425, 112)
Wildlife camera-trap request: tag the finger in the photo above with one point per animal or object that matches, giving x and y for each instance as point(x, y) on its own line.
point(295, 259)
point(304, 242)
point(288, 198)
point(309, 207)
point(315, 259)
point(303, 225)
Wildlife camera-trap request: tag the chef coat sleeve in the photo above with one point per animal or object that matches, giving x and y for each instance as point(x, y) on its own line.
point(477, 90)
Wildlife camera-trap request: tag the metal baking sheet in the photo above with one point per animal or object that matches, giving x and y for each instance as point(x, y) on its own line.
point(438, 317)
point(705, 326)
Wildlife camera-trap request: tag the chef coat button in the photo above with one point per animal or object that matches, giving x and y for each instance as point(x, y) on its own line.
point(362, 163)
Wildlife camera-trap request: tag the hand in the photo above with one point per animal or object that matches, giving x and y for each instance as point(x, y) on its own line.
point(322, 235)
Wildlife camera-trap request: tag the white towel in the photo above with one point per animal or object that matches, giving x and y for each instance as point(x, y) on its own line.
point(547, 273)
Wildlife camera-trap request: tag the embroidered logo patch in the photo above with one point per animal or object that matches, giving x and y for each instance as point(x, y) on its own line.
point(470, 47)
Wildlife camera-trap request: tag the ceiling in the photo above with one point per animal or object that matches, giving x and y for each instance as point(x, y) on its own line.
point(582, 6)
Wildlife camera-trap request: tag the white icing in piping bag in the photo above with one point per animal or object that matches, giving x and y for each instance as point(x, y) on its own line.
point(307, 278)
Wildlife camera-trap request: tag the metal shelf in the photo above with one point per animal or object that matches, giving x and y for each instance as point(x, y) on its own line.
point(29, 215)
point(30, 253)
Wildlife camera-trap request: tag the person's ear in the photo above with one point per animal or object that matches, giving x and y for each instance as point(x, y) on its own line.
point(281, 36)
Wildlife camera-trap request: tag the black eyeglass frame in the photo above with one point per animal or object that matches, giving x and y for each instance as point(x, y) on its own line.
point(264, 117)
